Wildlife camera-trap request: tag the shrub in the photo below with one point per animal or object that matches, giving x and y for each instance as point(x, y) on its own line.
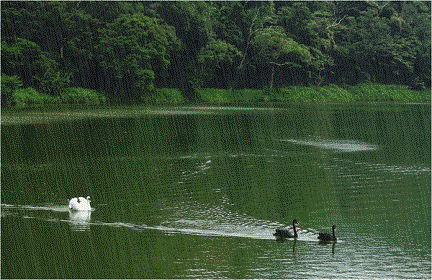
point(32, 96)
point(82, 95)
point(171, 95)
point(8, 86)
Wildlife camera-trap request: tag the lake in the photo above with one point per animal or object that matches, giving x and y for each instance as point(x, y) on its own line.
point(198, 191)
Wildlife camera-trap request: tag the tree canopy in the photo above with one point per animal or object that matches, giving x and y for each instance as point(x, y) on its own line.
point(126, 49)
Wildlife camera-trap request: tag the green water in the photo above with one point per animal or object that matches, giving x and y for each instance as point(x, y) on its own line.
point(197, 192)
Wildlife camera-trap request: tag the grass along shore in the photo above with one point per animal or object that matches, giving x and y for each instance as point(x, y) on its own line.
point(30, 96)
point(331, 93)
point(372, 92)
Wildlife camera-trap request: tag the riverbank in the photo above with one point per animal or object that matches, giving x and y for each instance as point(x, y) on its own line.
point(24, 97)
point(330, 93)
point(372, 92)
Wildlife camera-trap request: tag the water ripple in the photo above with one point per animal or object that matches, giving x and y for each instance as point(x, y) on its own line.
point(222, 224)
point(335, 145)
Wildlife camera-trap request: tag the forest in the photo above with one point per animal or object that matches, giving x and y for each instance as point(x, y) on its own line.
point(127, 51)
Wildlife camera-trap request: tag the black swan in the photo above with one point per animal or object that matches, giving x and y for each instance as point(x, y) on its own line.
point(328, 236)
point(284, 233)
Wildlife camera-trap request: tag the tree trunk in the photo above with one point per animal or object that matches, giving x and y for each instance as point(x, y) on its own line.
point(272, 77)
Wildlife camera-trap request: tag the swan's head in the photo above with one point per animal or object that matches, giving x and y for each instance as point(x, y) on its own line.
point(88, 198)
point(333, 227)
point(295, 221)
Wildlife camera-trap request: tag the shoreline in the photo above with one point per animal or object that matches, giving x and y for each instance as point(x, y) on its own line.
point(68, 112)
point(31, 99)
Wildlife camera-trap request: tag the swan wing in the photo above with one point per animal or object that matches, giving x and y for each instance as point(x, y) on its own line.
point(325, 236)
point(284, 233)
point(86, 205)
point(79, 204)
point(73, 203)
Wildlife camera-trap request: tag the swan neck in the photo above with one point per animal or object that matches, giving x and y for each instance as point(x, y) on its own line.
point(295, 230)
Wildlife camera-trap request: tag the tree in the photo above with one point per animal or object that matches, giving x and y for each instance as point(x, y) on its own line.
point(8, 86)
point(237, 24)
point(273, 47)
point(19, 57)
point(295, 19)
point(129, 50)
point(217, 61)
point(25, 59)
point(376, 41)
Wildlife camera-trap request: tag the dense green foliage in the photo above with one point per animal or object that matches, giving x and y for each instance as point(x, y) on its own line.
point(128, 50)
point(329, 93)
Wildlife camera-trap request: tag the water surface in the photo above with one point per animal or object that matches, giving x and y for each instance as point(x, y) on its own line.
point(197, 192)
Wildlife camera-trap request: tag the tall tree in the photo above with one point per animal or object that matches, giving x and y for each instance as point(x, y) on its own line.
point(129, 49)
point(276, 49)
point(218, 60)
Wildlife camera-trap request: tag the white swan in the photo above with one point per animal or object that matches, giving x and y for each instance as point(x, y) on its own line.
point(80, 204)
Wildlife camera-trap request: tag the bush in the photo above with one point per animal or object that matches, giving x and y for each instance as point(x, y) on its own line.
point(171, 95)
point(82, 95)
point(380, 92)
point(249, 95)
point(32, 96)
point(214, 95)
point(8, 86)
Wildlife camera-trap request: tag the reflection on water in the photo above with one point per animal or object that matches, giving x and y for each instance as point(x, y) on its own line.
point(332, 244)
point(198, 192)
point(57, 116)
point(294, 242)
point(80, 220)
point(185, 219)
point(336, 145)
point(217, 221)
